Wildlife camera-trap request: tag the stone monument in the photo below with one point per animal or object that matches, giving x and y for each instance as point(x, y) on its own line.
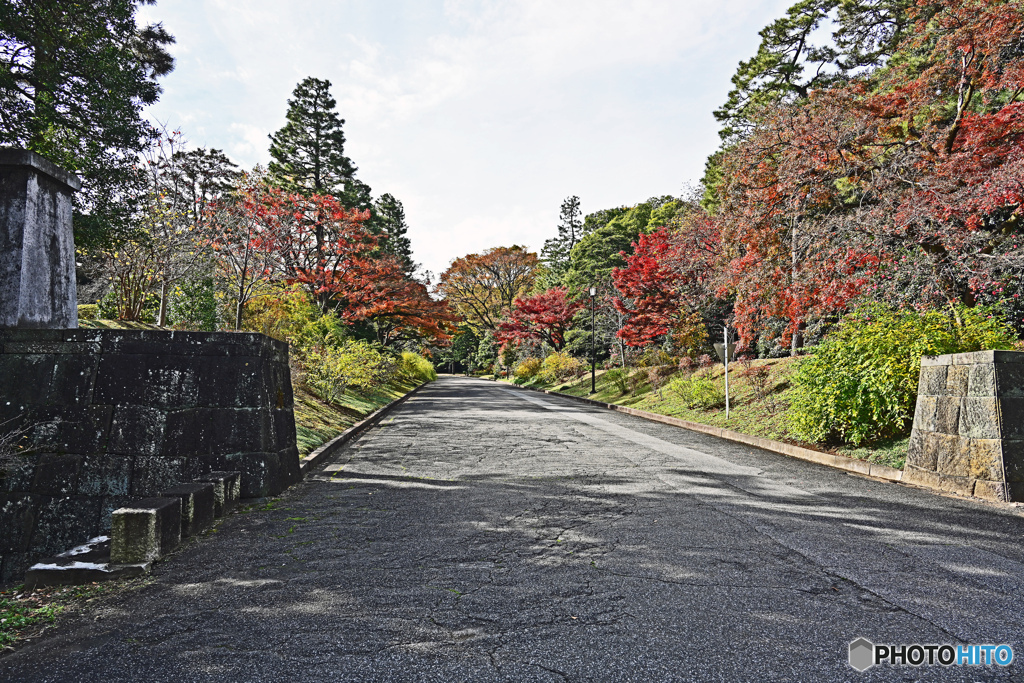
point(968, 434)
point(37, 248)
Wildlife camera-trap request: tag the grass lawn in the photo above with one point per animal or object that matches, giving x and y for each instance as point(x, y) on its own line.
point(317, 422)
point(752, 411)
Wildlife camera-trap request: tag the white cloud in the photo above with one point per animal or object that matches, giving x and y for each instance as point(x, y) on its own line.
point(480, 115)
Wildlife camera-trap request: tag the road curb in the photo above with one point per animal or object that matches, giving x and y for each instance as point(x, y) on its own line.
point(328, 449)
point(841, 462)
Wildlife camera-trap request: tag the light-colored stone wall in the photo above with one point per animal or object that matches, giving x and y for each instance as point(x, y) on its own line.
point(968, 434)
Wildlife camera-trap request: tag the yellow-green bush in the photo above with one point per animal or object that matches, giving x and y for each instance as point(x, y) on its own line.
point(527, 369)
point(698, 391)
point(330, 370)
point(861, 383)
point(559, 366)
point(417, 368)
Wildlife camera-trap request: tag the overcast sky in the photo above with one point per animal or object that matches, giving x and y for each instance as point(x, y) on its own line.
point(479, 115)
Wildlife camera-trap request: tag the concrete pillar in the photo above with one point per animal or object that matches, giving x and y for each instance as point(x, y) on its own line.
point(37, 248)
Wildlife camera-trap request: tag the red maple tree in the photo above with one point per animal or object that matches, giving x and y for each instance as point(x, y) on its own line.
point(544, 317)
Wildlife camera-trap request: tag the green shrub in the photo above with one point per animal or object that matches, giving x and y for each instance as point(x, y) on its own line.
point(698, 391)
point(558, 367)
point(88, 311)
point(618, 377)
point(331, 370)
point(527, 369)
point(417, 368)
point(861, 383)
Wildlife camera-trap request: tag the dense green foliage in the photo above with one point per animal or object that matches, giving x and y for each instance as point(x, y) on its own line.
point(74, 79)
point(861, 383)
point(417, 368)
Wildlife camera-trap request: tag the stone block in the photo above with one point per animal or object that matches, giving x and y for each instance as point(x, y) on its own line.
point(137, 429)
point(979, 418)
point(1010, 380)
point(981, 380)
point(18, 475)
point(262, 474)
point(1013, 459)
point(920, 477)
point(189, 432)
point(933, 381)
point(56, 475)
point(25, 377)
point(166, 383)
point(227, 490)
point(197, 506)
point(1011, 413)
point(240, 383)
point(924, 413)
point(12, 567)
point(78, 429)
point(996, 491)
point(933, 445)
point(62, 523)
point(947, 414)
point(284, 429)
point(961, 486)
point(1016, 491)
point(973, 358)
point(145, 530)
point(953, 455)
point(986, 459)
point(957, 380)
point(916, 451)
point(17, 520)
point(73, 378)
point(105, 475)
point(151, 473)
point(241, 430)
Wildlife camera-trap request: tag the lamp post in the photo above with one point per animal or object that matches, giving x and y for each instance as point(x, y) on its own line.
point(593, 345)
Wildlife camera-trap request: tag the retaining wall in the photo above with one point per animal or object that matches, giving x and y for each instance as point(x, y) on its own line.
point(117, 415)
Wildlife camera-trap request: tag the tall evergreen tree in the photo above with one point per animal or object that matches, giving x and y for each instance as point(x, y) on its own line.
point(74, 77)
point(389, 219)
point(570, 229)
point(309, 151)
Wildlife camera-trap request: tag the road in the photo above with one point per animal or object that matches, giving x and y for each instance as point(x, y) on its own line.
point(487, 533)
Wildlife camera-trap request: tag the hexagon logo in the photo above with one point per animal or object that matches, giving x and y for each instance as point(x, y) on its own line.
point(862, 654)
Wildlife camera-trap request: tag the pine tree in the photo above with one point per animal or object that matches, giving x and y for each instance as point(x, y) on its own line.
point(389, 219)
point(309, 151)
point(570, 229)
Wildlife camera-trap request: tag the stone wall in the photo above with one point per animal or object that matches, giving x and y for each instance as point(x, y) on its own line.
point(116, 415)
point(968, 434)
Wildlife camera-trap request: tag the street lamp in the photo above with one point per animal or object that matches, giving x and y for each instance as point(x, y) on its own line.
point(593, 345)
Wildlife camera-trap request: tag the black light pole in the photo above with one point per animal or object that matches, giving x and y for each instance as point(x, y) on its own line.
point(593, 345)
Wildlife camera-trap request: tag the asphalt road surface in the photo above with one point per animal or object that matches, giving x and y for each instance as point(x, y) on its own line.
point(486, 533)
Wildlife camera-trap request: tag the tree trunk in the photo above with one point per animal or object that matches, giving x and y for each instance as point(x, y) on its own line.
point(162, 318)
